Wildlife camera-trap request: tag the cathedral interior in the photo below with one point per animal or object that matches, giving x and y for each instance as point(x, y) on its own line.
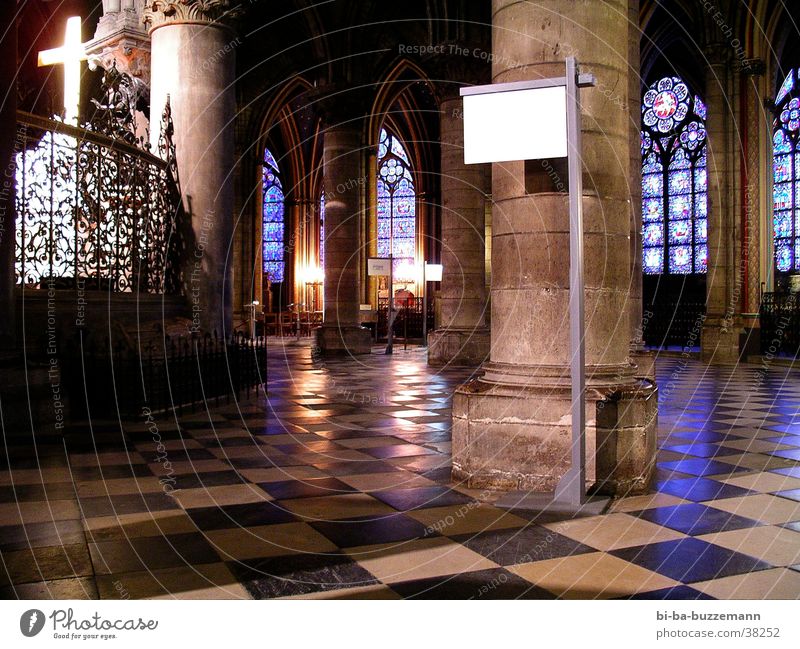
point(266, 332)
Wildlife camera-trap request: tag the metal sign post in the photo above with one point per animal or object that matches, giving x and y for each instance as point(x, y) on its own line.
point(381, 267)
point(555, 132)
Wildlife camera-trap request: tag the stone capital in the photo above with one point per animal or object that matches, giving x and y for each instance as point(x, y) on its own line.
point(158, 13)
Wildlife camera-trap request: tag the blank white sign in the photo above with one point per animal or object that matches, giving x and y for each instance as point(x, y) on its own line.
point(515, 125)
point(377, 266)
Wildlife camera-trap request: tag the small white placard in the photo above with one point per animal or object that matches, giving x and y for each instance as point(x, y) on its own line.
point(526, 124)
point(378, 266)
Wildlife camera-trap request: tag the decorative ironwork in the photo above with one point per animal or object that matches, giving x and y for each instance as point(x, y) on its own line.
point(408, 321)
point(92, 210)
point(115, 115)
point(780, 324)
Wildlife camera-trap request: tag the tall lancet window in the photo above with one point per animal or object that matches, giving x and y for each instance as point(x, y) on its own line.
point(273, 217)
point(674, 185)
point(396, 207)
point(786, 176)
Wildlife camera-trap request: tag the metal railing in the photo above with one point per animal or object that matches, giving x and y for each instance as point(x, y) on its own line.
point(173, 375)
point(93, 211)
point(779, 317)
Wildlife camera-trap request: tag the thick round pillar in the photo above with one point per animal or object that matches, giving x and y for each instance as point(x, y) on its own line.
point(193, 66)
point(511, 429)
point(341, 332)
point(641, 357)
point(720, 335)
point(463, 338)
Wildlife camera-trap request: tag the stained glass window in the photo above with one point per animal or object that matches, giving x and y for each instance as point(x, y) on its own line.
point(272, 220)
point(785, 175)
point(674, 187)
point(396, 204)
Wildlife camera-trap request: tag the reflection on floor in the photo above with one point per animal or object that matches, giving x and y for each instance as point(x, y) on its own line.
point(337, 486)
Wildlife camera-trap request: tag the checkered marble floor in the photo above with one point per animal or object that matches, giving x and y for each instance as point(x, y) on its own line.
point(338, 486)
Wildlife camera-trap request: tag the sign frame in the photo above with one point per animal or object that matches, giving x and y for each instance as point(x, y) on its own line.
point(571, 489)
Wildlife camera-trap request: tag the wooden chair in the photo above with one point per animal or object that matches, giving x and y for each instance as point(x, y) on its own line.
point(305, 323)
point(270, 324)
point(287, 323)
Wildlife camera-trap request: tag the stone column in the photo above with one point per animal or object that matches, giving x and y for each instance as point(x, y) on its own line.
point(463, 338)
point(720, 334)
point(511, 428)
point(193, 64)
point(643, 359)
point(343, 179)
point(755, 170)
point(8, 136)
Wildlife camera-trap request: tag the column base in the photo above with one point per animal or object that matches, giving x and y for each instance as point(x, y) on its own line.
point(626, 434)
point(645, 362)
point(513, 437)
point(345, 340)
point(719, 342)
point(468, 347)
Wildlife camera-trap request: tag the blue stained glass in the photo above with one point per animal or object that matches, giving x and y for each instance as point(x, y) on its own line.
point(783, 255)
point(404, 248)
point(269, 159)
point(782, 223)
point(396, 201)
point(676, 207)
point(700, 230)
point(796, 166)
point(652, 209)
point(272, 220)
point(653, 234)
point(700, 179)
point(680, 231)
point(275, 270)
point(653, 262)
point(404, 228)
point(781, 142)
point(782, 168)
point(680, 207)
point(653, 185)
point(782, 196)
point(680, 160)
point(273, 212)
point(699, 107)
point(700, 258)
point(403, 206)
point(786, 87)
point(796, 254)
point(652, 165)
point(701, 206)
point(680, 260)
point(680, 182)
point(273, 231)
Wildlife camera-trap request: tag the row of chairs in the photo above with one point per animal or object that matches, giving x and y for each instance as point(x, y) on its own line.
point(286, 323)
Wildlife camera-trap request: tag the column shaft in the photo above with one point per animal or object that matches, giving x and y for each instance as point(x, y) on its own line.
point(720, 335)
point(341, 332)
point(511, 429)
point(193, 63)
point(463, 338)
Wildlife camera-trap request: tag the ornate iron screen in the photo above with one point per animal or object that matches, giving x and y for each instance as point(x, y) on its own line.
point(93, 210)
